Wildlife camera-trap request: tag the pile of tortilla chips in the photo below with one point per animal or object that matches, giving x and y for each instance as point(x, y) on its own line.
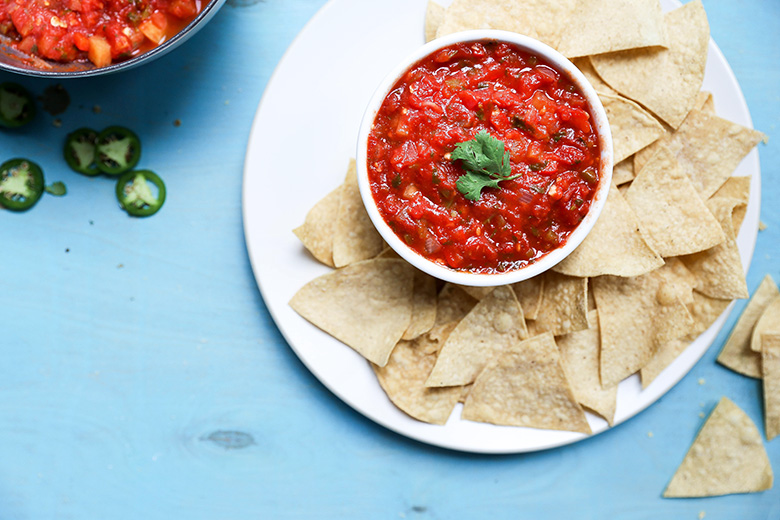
point(658, 268)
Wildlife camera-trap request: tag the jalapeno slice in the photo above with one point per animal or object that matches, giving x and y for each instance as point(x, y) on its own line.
point(21, 184)
point(117, 150)
point(17, 106)
point(136, 196)
point(80, 151)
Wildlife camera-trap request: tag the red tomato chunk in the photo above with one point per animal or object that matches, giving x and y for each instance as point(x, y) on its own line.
point(103, 31)
point(445, 99)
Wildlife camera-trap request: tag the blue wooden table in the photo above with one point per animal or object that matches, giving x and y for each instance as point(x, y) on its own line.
point(143, 378)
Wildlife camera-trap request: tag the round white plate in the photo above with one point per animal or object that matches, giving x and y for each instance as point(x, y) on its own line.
point(303, 135)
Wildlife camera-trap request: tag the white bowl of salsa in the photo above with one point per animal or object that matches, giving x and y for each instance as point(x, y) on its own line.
point(484, 158)
point(91, 37)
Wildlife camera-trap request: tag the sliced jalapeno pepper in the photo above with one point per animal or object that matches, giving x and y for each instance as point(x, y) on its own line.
point(21, 184)
point(117, 150)
point(17, 106)
point(136, 196)
point(80, 151)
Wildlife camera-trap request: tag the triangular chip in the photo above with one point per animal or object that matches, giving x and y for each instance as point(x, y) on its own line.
point(614, 246)
point(599, 26)
point(768, 322)
point(316, 233)
point(708, 147)
point(727, 457)
point(538, 19)
point(423, 305)
point(580, 356)
point(367, 305)
point(526, 386)
point(737, 354)
point(663, 357)
point(666, 81)
point(586, 67)
point(704, 310)
point(736, 188)
point(491, 327)
point(434, 16)
point(623, 172)
point(529, 293)
point(631, 126)
point(718, 270)
point(770, 370)
point(354, 236)
point(453, 304)
point(477, 292)
point(564, 306)
point(674, 219)
point(636, 316)
point(403, 380)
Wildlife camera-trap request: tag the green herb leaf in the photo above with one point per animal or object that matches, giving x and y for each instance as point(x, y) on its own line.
point(471, 184)
point(57, 189)
point(537, 167)
point(486, 164)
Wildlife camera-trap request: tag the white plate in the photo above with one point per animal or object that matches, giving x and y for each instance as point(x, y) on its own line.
point(303, 135)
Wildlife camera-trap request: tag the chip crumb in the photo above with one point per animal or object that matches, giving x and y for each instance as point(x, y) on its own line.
point(701, 414)
point(649, 434)
point(701, 381)
point(97, 109)
point(765, 140)
point(120, 266)
point(177, 122)
point(702, 514)
point(761, 225)
point(57, 122)
point(227, 101)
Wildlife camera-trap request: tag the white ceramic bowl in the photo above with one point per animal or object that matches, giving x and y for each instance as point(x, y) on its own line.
point(559, 62)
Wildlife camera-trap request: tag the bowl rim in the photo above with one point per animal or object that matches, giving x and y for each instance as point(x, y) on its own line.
point(205, 14)
point(547, 261)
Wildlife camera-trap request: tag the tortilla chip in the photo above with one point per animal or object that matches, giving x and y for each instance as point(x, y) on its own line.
point(663, 357)
point(564, 306)
point(316, 233)
point(682, 281)
point(403, 380)
point(737, 354)
point(637, 316)
point(423, 305)
point(526, 386)
point(586, 67)
point(769, 322)
point(434, 16)
point(491, 327)
point(367, 305)
point(623, 172)
point(529, 293)
point(704, 311)
point(718, 270)
point(727, 457)
point(599, 26)
point(453, 305)
point(614, 246)
point(708, 147)
point(770, 370)
point(580, 357)
point(705, 102)
point(538, 19)
point(673, 218)
point(665, 81)
point(477, 292)
point(631, 126)
point(354, 236)
point(736, 188)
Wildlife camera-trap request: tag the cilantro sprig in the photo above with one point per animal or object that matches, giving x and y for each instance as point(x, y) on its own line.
point(486, 164)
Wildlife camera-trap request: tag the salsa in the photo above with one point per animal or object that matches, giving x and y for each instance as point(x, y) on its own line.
point(101, 31)
point(446, 99)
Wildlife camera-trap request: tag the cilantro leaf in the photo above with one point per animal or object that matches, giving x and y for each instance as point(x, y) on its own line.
point(486, 163)
point(471, 184)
